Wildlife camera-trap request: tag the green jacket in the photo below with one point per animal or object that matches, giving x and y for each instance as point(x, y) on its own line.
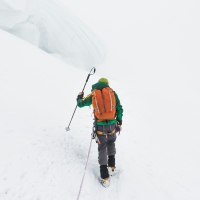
point(87, 101)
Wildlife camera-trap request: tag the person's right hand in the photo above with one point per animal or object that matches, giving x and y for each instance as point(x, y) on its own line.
point(80, 95)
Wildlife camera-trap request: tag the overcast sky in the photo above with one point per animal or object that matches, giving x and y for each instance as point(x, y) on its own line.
point(154, 40)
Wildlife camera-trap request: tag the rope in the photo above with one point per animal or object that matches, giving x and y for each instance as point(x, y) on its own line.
point(85, 170)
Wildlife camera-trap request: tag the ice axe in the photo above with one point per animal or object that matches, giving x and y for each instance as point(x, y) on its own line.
point(92, 71)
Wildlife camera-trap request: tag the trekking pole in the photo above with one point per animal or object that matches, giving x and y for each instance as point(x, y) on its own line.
point(92, 71)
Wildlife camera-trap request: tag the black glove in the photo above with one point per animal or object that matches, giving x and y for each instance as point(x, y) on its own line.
point(80, 95)
point(119, 122)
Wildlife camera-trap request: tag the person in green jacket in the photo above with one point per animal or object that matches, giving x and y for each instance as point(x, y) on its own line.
point(106, 147)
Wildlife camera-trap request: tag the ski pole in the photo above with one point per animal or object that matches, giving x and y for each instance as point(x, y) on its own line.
point(92, 71)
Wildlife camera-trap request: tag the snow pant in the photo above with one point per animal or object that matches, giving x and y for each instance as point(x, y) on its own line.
point(106, 148)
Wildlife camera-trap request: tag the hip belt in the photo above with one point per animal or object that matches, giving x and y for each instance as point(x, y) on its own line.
point(110, 133)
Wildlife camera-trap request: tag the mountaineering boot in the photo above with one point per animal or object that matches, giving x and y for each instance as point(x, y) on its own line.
point(104, 171)
point(105, 182)
point(111, 165)
point(104, 178)
point(111, 171)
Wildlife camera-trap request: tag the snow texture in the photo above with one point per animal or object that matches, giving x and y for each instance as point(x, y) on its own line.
point(54, 29)
point(157, 151)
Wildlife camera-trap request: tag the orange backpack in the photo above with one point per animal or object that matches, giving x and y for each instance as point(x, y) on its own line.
point(104, 103)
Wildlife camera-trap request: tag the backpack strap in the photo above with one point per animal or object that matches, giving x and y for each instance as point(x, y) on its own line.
point(97, 108)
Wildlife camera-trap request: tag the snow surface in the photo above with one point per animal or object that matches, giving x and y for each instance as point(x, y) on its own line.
point(158, 150)
point(51, 27)
point(154, 48)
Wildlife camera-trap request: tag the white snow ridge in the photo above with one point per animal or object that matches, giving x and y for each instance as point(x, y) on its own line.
point(54, 29)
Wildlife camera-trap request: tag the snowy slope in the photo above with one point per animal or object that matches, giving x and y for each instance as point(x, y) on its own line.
point(51, 27)
point(158, 150)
